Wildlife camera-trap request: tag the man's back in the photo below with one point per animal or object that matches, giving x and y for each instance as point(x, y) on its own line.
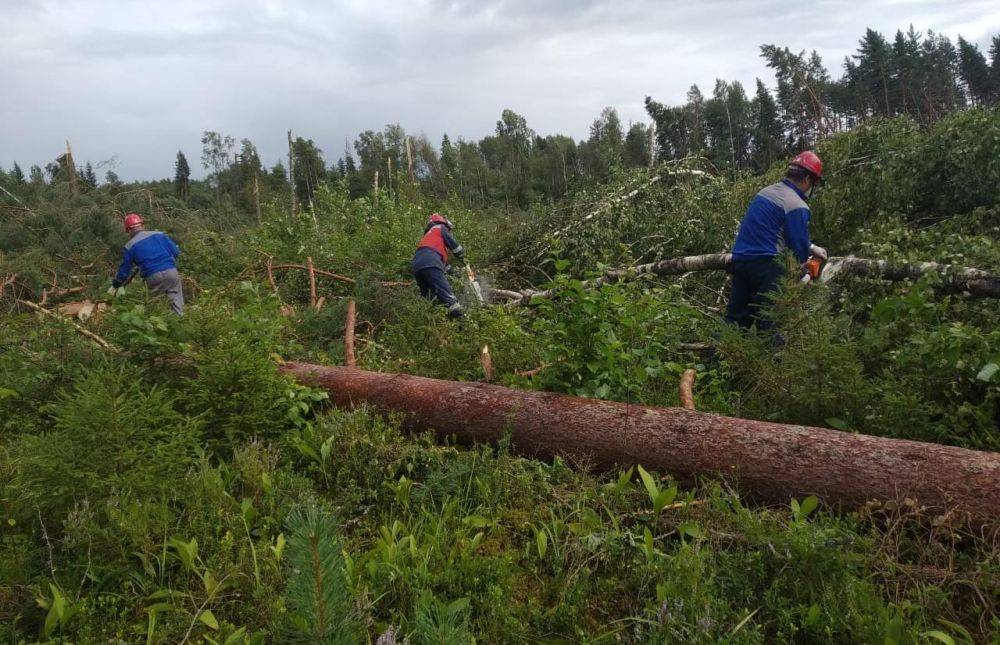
point(777, 218)
point(153, 251)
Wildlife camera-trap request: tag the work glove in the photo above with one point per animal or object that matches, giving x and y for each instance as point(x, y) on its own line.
point(819, 252)
point(116, 292)
point(450, 270)
point(111, 291)
point(459, 253)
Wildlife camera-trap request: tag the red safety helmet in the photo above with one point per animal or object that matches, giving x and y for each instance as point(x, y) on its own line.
point(131, 221)
point(437, 218)
point(810, 162)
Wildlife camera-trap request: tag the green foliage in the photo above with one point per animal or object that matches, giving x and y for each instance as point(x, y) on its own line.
point(621, 341)
point(145, 495)
point(317, 591)
point(109, 436)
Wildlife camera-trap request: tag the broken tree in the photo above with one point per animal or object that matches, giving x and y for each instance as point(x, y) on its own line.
point(953, 278)
point(771, 461)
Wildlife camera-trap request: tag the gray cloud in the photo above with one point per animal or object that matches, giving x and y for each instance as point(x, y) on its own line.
point(140, 80)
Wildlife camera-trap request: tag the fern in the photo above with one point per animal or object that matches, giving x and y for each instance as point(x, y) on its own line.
point(317, 592)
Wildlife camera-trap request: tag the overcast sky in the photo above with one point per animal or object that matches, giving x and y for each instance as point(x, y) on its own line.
point(136, 81)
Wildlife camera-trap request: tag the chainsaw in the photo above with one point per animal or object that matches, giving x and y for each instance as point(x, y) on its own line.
point(475, 284)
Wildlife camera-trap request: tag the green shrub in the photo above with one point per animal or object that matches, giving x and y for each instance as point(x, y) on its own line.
point(109, 434)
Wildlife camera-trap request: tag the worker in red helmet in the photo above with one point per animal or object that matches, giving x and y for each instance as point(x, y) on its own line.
point(776, 220)
point(155, 254)
point(430, 263)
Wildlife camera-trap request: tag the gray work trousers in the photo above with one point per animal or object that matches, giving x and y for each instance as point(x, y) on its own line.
point(168, 282)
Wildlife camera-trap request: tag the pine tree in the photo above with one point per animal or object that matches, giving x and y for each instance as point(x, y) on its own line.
point(727, 125)
point(182, 176)
point(874, 73)
point(767, 136)
point(636, 152)
point(310, 169)
point(17, 174)
point(995, 69)
point(974, 71)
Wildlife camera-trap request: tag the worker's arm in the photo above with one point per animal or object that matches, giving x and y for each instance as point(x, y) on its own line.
point(123, 270)
point(172, 246)
point(797, 233)
point(452, 243)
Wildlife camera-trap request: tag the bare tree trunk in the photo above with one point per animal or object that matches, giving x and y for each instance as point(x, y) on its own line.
point(349, 359)
point(70, 165)
point(953, 278)
point(312, 281)
point(687, 389)
point(487, 363)
point(256, 197)
point(409, 159)
point(652, 144)
point(771, 461)
point(291, 174)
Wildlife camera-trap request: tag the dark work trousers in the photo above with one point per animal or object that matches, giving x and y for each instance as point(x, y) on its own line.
point(168, 282)
point(754, 283)
point(435, 287)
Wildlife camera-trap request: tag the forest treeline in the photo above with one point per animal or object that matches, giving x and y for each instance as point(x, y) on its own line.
point(922, 76)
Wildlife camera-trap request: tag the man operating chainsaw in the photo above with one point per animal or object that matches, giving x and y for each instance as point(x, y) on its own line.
point(430, 263)
point(777, 219)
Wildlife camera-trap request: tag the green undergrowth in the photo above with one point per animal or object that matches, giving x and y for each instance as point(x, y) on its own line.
point(179, 489)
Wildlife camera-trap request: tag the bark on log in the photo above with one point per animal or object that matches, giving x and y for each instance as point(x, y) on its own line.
point(772, 461)
point(954, 278)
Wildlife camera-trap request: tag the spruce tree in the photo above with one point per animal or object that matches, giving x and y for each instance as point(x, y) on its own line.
point(182, 176)
point(17, 174)
point(89, 177)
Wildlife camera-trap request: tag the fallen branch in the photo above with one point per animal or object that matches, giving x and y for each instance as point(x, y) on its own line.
point(349, 358)
point(771, 461)
point(329, 274)
point(84, 332)
point(687, 389)
point(532, 372)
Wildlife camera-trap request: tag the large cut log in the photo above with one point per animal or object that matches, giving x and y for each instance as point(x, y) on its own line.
point(954, 278)
point(771, 461)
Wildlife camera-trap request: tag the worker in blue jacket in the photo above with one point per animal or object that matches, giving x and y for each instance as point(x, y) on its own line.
point(155, 254)
point(430, 263)
point(777, 219)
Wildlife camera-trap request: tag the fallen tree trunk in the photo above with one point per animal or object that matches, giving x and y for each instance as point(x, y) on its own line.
point(772, 462)
point(955, 278)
